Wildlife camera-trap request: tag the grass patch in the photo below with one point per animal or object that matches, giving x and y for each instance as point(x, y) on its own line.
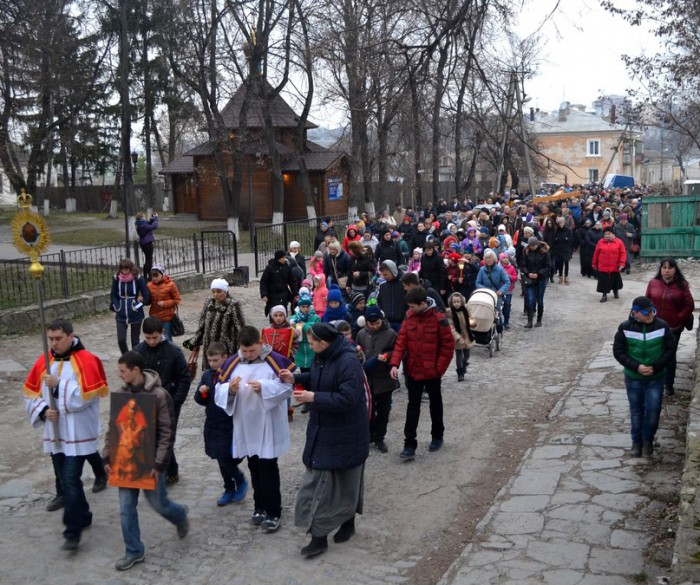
point(89, 237)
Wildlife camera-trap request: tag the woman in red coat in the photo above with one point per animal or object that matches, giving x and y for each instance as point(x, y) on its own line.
point(609, 261)
point(670, 293)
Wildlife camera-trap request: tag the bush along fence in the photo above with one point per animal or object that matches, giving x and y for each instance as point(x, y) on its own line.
point(271, 237)
point(71, 273)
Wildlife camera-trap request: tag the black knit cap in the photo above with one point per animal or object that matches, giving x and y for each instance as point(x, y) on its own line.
point(279, 254)
point(324, 331)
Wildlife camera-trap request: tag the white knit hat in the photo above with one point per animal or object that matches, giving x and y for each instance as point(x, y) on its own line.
point(278, 309)
point(219, 284)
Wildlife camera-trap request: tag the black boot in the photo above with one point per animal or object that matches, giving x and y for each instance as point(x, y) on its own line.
point(529, 320)
point(539, 318)
point(346, 531)
point(647, 448)
point(460, 374)
point(636, 450)
point(616, 294)
point(318, 545)
point(604, 298)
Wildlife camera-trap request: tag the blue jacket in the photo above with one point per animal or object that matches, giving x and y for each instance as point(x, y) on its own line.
point(145, 229)
point(494, 278)
point(124, 299)
point(337, 436)
point(218, 426)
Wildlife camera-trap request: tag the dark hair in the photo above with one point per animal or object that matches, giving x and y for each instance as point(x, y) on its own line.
point(680, 280)
point(217, 348)
point(133, 359)
point(128, 264)
point(152, 325)
point(416, 296)
point(248, 336)
point(410, 278)
point(60, 325)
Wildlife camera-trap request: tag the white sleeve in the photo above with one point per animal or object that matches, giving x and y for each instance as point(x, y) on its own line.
point(222, 398)
point(274, 392)
point(34, 408)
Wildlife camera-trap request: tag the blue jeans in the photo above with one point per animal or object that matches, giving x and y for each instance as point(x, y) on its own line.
point(158, 499)
point(535, 296)
point(645, 398)
point(507, 303)
point(168, 330)
point(76, 512)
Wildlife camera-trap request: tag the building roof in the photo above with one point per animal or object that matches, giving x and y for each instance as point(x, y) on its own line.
point(315, 161)
point(571, 119)
point(182, 165)
point(282, 114)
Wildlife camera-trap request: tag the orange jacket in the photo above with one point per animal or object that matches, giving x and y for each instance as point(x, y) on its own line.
point(167, 292)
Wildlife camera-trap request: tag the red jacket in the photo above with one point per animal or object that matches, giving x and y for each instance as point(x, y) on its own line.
point(426, 341)
point(609, 256)
point(673, 305)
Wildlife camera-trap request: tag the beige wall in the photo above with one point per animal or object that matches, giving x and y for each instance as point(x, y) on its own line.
point(569, 159)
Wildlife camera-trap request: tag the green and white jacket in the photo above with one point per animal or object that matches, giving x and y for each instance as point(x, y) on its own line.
point(640, 343)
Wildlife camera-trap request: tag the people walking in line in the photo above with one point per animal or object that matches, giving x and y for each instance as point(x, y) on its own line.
point(609, 261)
point(425, 344)
point(136, 380)
point(644, 345)
point(167, 360)
point(218, 429)
point(337, 439)
point(128, 296)
point(164, 299)
point(145, 229)
point(76, 379)
point(221, 320)
point(670, 293)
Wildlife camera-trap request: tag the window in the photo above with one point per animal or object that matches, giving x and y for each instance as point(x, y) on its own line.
point(593, 175)
point(593, 148)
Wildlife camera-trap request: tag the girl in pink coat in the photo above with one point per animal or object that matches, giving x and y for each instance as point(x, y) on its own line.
point(320, 298)
point(316, 264)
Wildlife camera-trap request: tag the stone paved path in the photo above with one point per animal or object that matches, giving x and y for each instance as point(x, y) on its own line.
point(576, 511)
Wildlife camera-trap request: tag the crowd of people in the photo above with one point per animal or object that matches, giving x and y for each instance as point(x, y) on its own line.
point(391, 297)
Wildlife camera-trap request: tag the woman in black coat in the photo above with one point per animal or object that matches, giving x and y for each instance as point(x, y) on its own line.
point(562, 248)
point(580, 242)
point(594, 235)
point(337, 439)
point(432, 268)
point(388, 249)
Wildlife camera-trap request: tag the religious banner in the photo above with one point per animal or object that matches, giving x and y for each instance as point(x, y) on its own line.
point(132, 440)
point(335, 188)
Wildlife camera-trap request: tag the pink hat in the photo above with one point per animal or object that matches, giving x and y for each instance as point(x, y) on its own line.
point(503, 256)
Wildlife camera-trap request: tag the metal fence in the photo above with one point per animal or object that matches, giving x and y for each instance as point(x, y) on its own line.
point(269, 238)
point(70, 273)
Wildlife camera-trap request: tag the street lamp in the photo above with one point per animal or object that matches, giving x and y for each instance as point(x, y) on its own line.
point(134, 160)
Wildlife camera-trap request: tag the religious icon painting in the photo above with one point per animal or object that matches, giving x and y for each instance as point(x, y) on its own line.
point(132, 440)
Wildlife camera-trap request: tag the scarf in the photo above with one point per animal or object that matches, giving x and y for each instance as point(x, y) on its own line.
point(455, 317)
point(125, 277)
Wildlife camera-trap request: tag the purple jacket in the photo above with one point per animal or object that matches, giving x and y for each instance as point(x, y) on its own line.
point(145, 230)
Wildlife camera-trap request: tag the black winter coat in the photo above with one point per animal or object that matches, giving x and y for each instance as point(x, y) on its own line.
point(392, 300)
point(418, 240)
point(375, 343)
point(432, 268)
point(388, 251)
point(365, 266)
point(337, 435)
point(339, 264)
point(218, 426)
point(536, 260)
point(562, 243)
point(276, 282)
point(168, 361)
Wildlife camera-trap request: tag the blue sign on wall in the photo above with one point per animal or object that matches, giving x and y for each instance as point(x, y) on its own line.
point(335, 188)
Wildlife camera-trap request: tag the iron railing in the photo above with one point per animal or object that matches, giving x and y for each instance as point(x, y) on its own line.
point(272, 237)
point(71, 273)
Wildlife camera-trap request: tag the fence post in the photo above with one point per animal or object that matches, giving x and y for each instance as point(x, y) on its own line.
point(137, 256)
point(255, 252)
point(64, 275)
point(196, 253)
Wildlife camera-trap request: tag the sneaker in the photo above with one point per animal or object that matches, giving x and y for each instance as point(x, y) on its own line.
point(226, 498)
point(55, 504)
point(172, 480)
point(258, 517)
point(183, 527)
point(70, 544)
point(381, 446)
point(241, 491)
point(435, 445)
point(125, 563)
point(100, 485)
point(271, 523)
point(408, 454)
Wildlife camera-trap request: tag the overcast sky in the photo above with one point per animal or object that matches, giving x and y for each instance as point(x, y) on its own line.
point(582, 51)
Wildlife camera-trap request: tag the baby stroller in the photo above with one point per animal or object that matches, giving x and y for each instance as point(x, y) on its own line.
point(484, 307)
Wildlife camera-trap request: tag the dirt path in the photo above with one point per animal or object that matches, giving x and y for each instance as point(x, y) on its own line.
point(418, 516)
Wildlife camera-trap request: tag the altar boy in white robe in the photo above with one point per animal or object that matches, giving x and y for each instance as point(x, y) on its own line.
point(250, 390)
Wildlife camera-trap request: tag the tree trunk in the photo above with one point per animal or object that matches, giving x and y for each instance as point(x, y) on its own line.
point(416, 135)
point(123, 77)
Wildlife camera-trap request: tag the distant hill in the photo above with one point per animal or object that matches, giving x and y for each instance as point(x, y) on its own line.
point(325, 136)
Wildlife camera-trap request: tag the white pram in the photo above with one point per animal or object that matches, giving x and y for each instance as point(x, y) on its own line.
point(484, 307)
